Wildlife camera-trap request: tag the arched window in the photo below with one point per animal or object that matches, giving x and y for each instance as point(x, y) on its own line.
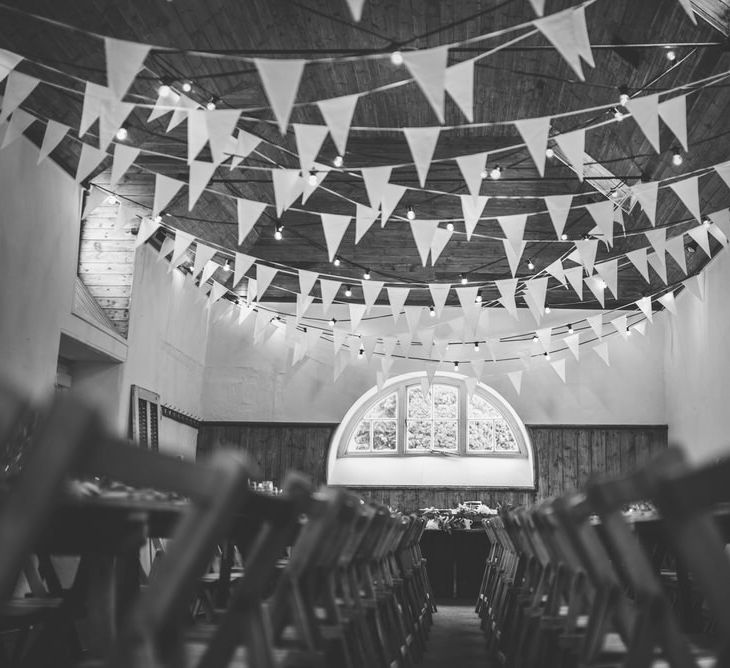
point(410, 434)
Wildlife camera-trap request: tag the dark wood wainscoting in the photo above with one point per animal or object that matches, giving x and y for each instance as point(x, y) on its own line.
point(566, 456)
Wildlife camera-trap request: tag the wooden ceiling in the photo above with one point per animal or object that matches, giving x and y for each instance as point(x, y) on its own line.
point(527, 80)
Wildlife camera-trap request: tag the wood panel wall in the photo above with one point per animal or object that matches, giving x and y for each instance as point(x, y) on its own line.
point(566, 456)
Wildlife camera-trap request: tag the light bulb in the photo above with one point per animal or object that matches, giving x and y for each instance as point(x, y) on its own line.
point(332, 322)
point(278, 232)
point(122, 133)
point(410, 214)
point(614, 194)
point(530, 264)
point(366, 274)
point(464, 280)
point(677, 158)
point(706, 222)
point(338, 161)
point(337, 262)
point(456, 366)
point(476, 346)
point(547, 309)
point(570, 329)
point(618, 114)
point(483, 174)
point(187, 86)
point(312, 180)
point(164, 90)
point(450, 227)
point(158, 219)
point(227, 266)
point(495, 173)
point(547, 355)
point(396, 58)
point(671, 55)
point(628, 331)
point(601, 284)
point(211, 104)
point(549, 153)
point(348, 291)
point(432, 311)
point(361, 352)
point(564, 236)
point(623, 99)
point(534, 338)
point(478, 299)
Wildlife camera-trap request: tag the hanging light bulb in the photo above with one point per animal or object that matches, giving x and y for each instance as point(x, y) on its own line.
point(211, 105)
point(366, 274)
point(312, 179)
point(476, 346)
point(338, 161)
point(677, 158)
point(187, 86)
point(601, 284)
point(547, 355)
point(337, 262)
point(495, 173)
point(671, 55)
point(410, 214)
point(278, 232)
point(534, 338)
point(348, 291)
point(564, 236)
point(456, 366)
point(628, 331)
point(530, 264)
point(164, 90)
point(570, 329)
point(396, 58)
point(361, 352)
point(332, 322)
point(227, 266)
point(623, 96)
point(450, 227)
point(547, 309)
point(706, 222)
point(484, 174)
point(478, 298)
point(549, 153)
point(618, 114)
point(122, 133)
point(432, 311)
point(463, 279)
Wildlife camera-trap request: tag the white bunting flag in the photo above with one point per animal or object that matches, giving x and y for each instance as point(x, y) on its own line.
point(371, 291)
point(303, 303)
point(124, 157)
point(423, 232)
point(334, 227)
point(723, 171)
point(687, 6)
point(572, 144)
point(658, 240)
point(428, 68)
point(392, 194)
point(217, 292)
point(89, 160)
point(688, 191)
point(439, 294)
point(675, 247)
point(696, 286)
point(203, 255)
point(699, 234)
point(245, 144)
point(621, 326)
point(264, 276)
point(184, 106)
point(471, 167)
point(536, 290)
point(668, 302)
point(197, 132)
point(586, 249)
point(559, 367)
point(147, 228)
point(165, 189)
point(538, 6)
point(309, 140)
point(596, 324)
point(375, 179)
point(280, 79)
point(659, 264)
point(602, 351)
point(219, 125)
point(163, 105)
point(287, 187)
point(534, 133)
point(94, 199)
point(573, 343)
point(307, 280)
point(645, 111)
point(575, 278)
point(422, 142)
point(357, 311)
point(54, 133)
point(8, 60)
point(460, 85)
point(413, 320)
point(123, 61)
point(337, 113)
point(112, 117)
point(646, 195)
point(397, 298)
point(513, 226)
point(515, 377)
point(544, 336)
point(242, 264)
point(716, 232)
point(200, 175)
point(555, 269)
point(472, 209)
point(248, 212)
point(602, 213)
point(17, 88)
point(598, 287)
point(513, 250)
point(558, 207)
point(440, 238)
point(19, 123)
point(580, 33)
point(645, 305)
point(166, 248)
point(183, 241)
point(720, 220)
point(608, 271)
point(329, 291)
point(639, 260)
point(94, 98)
point(565, 32)
point(208, 270)
point(364, 218)
point(261, 323)
point(674, 113)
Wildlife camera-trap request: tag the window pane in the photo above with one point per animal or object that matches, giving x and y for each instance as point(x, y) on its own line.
point(503, 437)
point(384, 434)
point(445, 434)
point(418, 435)
point(481, 435)
point(481, 408)
point(384, 409)
point(418, 407)
point(445, 401)
point(361, 437)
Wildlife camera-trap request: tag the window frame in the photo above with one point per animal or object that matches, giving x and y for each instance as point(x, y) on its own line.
point(400, 388)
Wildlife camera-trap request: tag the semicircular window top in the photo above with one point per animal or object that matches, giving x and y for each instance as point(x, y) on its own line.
point(421, 431)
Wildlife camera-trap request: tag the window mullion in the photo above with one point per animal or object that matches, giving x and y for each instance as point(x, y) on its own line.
point(463, 416)
point(401, 412)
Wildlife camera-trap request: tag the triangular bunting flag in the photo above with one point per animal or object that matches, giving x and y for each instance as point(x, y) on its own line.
point(364, 218)
point(164, 104)
point(723, 171)
point(536, 289)
point(587, 249)
point(460, 85)
point(203, 254)
point(123, 60)
point(397, 298)
point(303, 303)
point(375, 179)
point(184, 106)
point(422, 142)
point(597, 286)
point(287, 187)
point(602, 351)
point(428, 68)
point(220, 124)
point(19, 123)
point(534, 133)
point(560, 30)
point(94, 98)
point(639, 260)
point(472, 208)
point(608, 271)
point(620, 325)
point(659, 264)
point(309, 139)
point(208, 271)
point(17, 88)
point(166, 248)
point(89, 160)
point(688, 191)
point(371, 291)
point(602, 213)
point(245, 144)
point(572, 144)
point(329, 291)
point(559, 367)
point(197, 132)
point(555, 269)
point(515, 377)
point(307, 280)
point(337, 113)
point(94, 199)
point(423, 232)
point(112, 117)
point(264, 276)
point(544, 336)
point(668, 302)
point(513, 226)
point(573, 343)
point(696, 286)
point(391, 196)
point(646, 195)
point(217, 292)
point(507, 288)
point(674, 114)
point(687, 6)
point(147, 228)
point(357, 311)
point(645, 305)
point(439, 294)
point(699, 234)
point(248, 212)
point(242, 265)
point(513, 251)
point(334, 227)
point(440, 238)
point(596, 323)
point(558, 207)
point(55, 132)
point(280, 79)
point(575, 278)
point(580, 32)
point(645, 111)
point(200, 174)
point(8, 60)
point(165, 189)
point(471, 167)
point(123, 158)
point(675, 247)
point(183, 241)
point(413, 318)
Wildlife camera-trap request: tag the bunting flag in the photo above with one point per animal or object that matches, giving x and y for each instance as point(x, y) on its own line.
point(460, 85)
point(534, 133)
point(280, 79)
point(639, 260)
point(621, 326)
point(602, 214)
point(123, 61)
point(375, 179)
point(586, 250)
point(54, 133)
point(538, 6)
point(245, 145)
point(203, 255)
point(309, 140)
point(334, 227)
point(675, 248)
point(217, 292)
point(303, 303)
point(687, 6)
point(248, 213)
point(112, 117)
point(391, 196)
point(184, 106)
point(723, 171)
point(94, 97)
point(608, 271)
point(165, 189)
point(357, 311)
point(329, 291)
point(423, 232)
point(287, 187)
point(580, 32)
point(197, 133)
point(645, 111)
point(544, 336)
point(598, 287)
point(397, 298)
point(558, 207)
point(472, 166)
point(567, 33)
point(688, 191)
point(8, 60)
point(555, 269)
point(183, 241)
point(645, 305)
point(658, 240)
point(572, 144)
point(219, 126)
point(472, 209)
point(371, 291)
point(337, 113)
point(668, 302)
point(507, 288)
point(242, 264)
point(602, 351)
point(307, 279)
point(559, 367)
point(89, 160)
point(440, 238)
point(94, 199)
point(124, 157)
point(573, 343)
point(513, 251)
point(147, 228)
point(674, 113)
point(696, 286)
point(596, 324)
point(659, 264)
point(264, 276)
point(200, 174)
point(413, 319)
point(716, 232)
point(166, 248)
point(17, 88)
point(19, 123)
point(364, 218)
point(513, 226)
point(575, 278)
point(536, 290)
point(428, 68)
point(422, 143)
point(646, 195)
point(515, 377)
point(699, 234)
point(163, 105)
point(208, 270)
